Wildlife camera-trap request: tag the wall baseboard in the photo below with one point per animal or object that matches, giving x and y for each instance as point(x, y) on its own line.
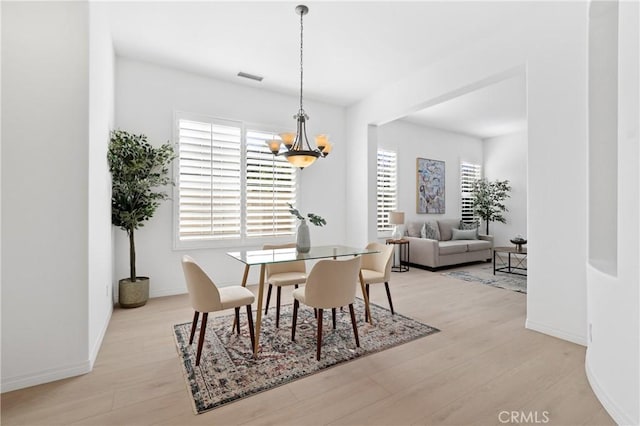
point(45, 376)
point(617, 413)
point(168, 292)
point(555, 332)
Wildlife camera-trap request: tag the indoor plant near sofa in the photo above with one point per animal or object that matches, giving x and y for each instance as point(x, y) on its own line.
point(488, 200)
point(138, 172)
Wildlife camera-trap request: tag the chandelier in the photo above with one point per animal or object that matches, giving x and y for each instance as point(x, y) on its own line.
point(298, 151)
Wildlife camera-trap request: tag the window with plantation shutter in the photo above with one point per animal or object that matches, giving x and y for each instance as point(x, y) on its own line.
point(210, 179)
point(468, 174)
point(271, 185)
point(230, 187)
point(387, 188)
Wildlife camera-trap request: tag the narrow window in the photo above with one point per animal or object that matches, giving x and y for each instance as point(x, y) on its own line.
point(387, 188)
point(468, 174)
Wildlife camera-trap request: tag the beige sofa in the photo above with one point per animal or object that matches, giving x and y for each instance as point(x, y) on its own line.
point(445, 251)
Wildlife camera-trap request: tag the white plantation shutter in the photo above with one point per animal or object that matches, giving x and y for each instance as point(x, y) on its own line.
point(210, 179)
point(387, 188)
point(468, 174)
point(270, 185)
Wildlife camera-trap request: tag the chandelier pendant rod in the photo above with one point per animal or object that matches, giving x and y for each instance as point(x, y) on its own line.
point(302, 13)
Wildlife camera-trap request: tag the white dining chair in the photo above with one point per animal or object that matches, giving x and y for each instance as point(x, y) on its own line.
point(331, 284)
point(206, 297)
point(283, 274)
point(376, 268)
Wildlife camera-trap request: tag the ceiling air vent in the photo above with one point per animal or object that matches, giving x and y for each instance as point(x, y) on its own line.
point(250, 76)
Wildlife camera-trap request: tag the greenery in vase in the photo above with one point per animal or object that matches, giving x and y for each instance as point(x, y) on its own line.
point(138, 172)
point(313, 218)
point(488, 200)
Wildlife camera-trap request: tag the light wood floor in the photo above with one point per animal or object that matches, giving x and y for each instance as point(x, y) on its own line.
point(483, 362)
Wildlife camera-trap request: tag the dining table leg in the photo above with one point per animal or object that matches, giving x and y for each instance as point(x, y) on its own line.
point(259, 312)
point(366, 299)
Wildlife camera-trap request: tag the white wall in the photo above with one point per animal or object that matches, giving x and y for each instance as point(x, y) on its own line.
point(553, 48)
point(101, 118)
point(505, 158)
point(412, 141)
point(613, 354)
point(603, 132)
point(45, 104)
point(146, 98)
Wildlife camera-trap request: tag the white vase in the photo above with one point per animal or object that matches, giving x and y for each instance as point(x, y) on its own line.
point(303, 241)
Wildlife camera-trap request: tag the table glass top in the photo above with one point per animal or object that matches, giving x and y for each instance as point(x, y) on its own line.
point(522, 250)
point(260, 257)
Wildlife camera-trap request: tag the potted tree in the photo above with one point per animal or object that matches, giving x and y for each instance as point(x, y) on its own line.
point(138, 172)
point(488, 200)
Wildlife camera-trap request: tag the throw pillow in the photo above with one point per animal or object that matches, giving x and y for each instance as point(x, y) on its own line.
point(423, 231)
point(463, 234)
point(431, 231)
point(413, 229)
point(467, 225)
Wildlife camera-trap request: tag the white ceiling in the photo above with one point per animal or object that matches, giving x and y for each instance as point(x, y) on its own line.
point(350, 48)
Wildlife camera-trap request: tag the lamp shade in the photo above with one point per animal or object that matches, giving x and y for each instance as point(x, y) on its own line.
point(321, 141)
point(274, 146)
point(301, 159)
point(287, 139)
point(327, 149)
point(396, 218)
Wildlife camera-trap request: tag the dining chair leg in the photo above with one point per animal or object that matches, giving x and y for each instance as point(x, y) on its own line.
point(251, 332)
point(353, 323)
point(366, 315)
point(333, 317)
point(319, 344)
point(203, 330)
point(196, 314)
point(237, 319)
point(278, 293)
point(386, 285)
point(266, 308)
point(295, 320)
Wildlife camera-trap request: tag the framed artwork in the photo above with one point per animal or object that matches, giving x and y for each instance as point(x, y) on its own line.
point(429, 186)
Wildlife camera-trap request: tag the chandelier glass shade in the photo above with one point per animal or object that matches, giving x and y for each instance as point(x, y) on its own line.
point(298, 151)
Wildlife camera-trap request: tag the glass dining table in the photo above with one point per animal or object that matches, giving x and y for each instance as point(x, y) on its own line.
point(265, 257)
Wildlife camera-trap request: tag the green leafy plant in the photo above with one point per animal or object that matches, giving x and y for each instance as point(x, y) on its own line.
point(138, 172)
point(488, 200)
point(313, 218)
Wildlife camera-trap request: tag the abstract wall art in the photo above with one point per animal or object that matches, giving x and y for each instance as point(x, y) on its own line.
point(430, 186)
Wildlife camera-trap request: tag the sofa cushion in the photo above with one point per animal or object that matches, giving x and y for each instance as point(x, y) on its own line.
point(463, 234)
point(413, 229)
point(452, 247)
point(430, 230)
point(477, 245)
point(445, 226)
point(466, 225)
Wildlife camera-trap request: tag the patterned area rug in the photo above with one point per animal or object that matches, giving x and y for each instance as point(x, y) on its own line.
point(485, 275)
point(228, 372)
